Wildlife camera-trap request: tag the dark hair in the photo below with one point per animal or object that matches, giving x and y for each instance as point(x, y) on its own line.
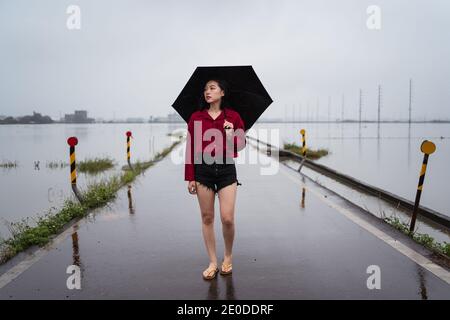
point(224, 100)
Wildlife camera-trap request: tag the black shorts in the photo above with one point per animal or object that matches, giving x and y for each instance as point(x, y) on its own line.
point(216, 176)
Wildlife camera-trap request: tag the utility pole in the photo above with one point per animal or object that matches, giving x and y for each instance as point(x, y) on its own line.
point(360, 104)
point(410, 100)
point(379, 103)
point(293, 113)
point(307, 114)
point(342, 108)
point(285, 113)
point(299, 111)
point(317, 116)
point(329, 108)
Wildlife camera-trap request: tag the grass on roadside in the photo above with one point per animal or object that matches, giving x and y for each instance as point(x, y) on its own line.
point(310, 153)
point(421, 238)
point(25, 234)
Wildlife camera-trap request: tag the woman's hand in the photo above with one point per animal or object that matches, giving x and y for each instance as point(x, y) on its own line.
point(229, 127)
point(192, 187)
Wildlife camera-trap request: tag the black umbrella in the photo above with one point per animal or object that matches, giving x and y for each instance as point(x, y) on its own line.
point(247, 94)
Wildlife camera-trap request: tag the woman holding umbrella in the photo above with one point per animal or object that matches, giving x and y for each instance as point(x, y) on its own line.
point(215, 135)
point(220, 117)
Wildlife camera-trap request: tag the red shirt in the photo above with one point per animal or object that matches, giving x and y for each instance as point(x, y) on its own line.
point(214, 141)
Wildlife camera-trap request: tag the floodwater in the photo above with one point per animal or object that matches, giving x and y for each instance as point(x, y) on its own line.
point(387, 156)
point(27, 191)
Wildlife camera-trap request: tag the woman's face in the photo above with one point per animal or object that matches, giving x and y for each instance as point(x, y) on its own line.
point(212, 92)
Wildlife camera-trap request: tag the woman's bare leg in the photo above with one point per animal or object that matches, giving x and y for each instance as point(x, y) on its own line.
point(206, 200)
point(227, 199)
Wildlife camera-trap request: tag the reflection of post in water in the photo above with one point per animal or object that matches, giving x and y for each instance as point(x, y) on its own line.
point(302, 204)
point(422, 284)
point(359, 143)
point(130, 200)
point(329, 118)
point(151, 146)
point(409, 145)
point(378, 145)
point(76, 249)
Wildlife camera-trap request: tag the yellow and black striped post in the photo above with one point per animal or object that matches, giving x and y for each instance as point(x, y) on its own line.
point(303, 133)
point(128, 134)
point(427, 148)
point(72, 141)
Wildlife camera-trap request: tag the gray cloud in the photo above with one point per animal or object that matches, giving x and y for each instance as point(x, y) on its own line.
point(132, 58)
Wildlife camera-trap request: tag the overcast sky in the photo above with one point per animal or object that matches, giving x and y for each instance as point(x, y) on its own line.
point(132, 58)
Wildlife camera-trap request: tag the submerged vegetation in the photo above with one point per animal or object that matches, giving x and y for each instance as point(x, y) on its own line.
point(310, 153)
point(421, 238)
point(56, 164)
point(43, 228)
point(176, 134)
point(96, 165)
point(8, 164)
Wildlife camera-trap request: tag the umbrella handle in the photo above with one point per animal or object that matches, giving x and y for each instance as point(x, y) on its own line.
point(225, 116)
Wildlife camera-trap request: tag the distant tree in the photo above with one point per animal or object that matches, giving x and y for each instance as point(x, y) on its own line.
point(36, 118)
point(9, 120)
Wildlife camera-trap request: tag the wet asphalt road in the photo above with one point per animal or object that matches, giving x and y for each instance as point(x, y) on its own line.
point(282, 251)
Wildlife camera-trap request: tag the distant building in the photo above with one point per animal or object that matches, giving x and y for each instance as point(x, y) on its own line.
point(172, 117)
point(80, 116)
point(135, 120)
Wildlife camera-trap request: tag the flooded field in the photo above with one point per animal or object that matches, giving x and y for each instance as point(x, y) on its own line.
point(41, 178)
point(386, 156)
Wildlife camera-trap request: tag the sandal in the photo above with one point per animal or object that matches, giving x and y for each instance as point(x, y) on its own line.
point(226, 269)
point(210, 273)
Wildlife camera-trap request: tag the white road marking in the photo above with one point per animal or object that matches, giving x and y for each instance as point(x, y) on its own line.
point(424, 262)
point(32, 258)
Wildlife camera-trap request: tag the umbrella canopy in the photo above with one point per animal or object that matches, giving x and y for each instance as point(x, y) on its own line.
point(247, 95)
